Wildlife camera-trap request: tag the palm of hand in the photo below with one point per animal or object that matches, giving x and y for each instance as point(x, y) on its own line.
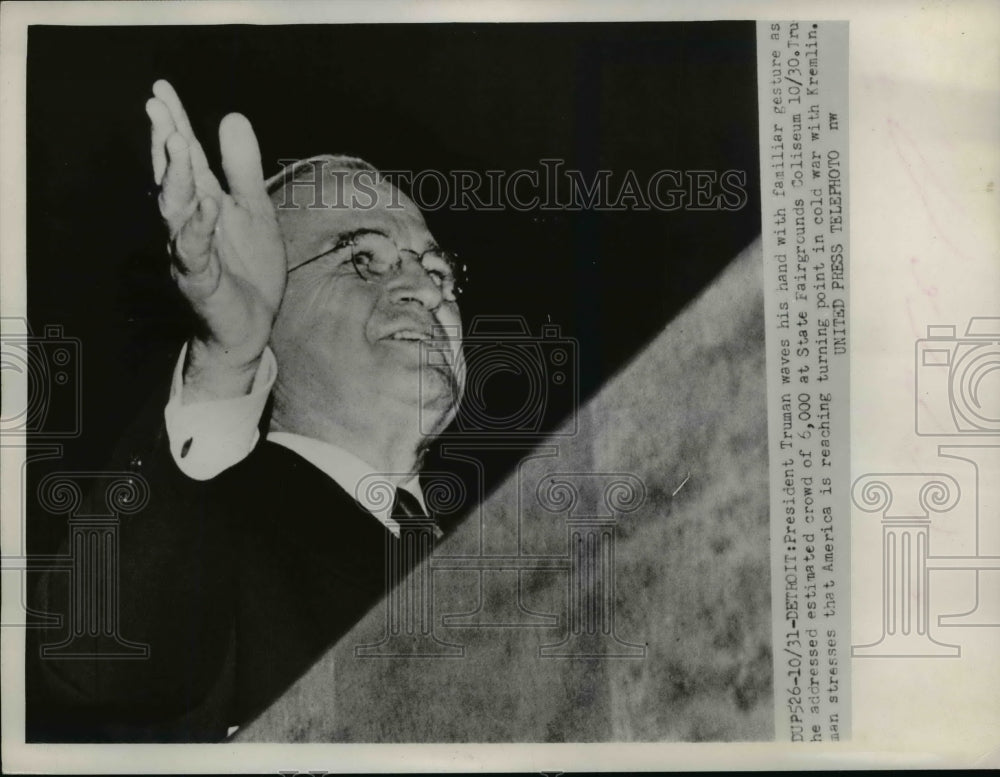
point(228, 254)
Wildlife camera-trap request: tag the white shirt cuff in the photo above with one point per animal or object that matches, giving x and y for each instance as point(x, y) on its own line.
point(209, 437)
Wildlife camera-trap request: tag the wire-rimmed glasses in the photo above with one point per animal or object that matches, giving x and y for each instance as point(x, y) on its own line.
point(375, 256)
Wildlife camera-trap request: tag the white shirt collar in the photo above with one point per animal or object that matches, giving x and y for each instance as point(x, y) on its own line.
point(373, 491)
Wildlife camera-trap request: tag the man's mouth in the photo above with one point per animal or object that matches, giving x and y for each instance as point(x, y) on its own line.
point(409, 335)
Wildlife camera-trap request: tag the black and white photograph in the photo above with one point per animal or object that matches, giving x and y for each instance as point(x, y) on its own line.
point(406, 384)
point(525, 386)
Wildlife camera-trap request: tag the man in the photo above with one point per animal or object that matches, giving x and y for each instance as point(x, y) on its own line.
point(254, 556)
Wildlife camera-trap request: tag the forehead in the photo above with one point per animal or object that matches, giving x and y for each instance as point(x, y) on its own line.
point(313, 211)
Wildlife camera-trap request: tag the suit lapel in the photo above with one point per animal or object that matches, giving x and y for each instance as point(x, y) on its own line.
point(312, 563)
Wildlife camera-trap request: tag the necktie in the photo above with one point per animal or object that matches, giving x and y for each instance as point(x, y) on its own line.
point(410, 516)
point(407, 510)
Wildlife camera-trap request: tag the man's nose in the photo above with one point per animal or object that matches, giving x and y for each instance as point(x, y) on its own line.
point(412, 283)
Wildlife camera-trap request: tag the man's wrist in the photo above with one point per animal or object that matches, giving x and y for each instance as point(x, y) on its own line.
point(209, 376)
point(209, 433)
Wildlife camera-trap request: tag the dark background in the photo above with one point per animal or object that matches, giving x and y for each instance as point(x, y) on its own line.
point(640, 97)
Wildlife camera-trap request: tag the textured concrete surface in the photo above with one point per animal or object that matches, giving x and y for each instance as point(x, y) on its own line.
point(691, 572)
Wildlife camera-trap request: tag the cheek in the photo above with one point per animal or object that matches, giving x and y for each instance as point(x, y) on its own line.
point(323, 317)
point(450, 319)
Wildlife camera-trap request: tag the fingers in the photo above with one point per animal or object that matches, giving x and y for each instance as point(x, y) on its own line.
point(162, 126)
point(193, 243)
point(241, 163)
point(166, 94)
point(177, 196)
point(204, 179)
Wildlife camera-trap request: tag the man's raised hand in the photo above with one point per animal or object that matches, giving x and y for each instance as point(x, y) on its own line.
point(227, 254)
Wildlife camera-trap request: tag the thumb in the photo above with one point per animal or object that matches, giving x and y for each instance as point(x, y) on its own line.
point(241, 163)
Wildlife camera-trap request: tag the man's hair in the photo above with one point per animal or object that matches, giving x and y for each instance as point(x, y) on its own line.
point(294, 171)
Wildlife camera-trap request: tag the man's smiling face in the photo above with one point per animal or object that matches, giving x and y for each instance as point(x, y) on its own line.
point(346, 343)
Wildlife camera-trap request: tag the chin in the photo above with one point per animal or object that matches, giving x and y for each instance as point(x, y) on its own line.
point(415, 385)
point(437, 398)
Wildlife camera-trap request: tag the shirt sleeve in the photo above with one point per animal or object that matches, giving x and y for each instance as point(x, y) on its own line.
point(209, 437)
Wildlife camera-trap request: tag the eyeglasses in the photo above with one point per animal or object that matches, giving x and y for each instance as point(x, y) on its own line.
point(375, 257)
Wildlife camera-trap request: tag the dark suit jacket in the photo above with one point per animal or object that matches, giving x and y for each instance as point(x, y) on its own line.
point(237, 585)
